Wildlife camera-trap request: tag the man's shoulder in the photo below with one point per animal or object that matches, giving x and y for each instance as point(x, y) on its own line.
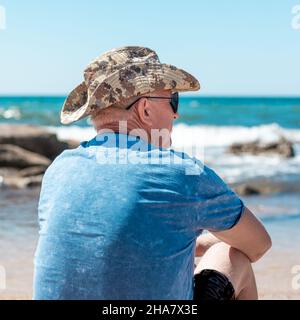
point(68, 157)
point(189, 164)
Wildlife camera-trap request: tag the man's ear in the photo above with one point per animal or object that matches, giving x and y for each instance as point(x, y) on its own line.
point(144, 111)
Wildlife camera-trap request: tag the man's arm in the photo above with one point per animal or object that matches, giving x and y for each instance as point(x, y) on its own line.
point(248, 235)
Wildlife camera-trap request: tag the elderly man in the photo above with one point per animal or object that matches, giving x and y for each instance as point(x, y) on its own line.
point(119, 216)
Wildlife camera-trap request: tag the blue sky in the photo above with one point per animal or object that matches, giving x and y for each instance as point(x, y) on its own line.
point(232, 47)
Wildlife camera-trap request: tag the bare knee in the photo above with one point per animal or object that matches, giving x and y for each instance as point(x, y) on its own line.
point(231, 262)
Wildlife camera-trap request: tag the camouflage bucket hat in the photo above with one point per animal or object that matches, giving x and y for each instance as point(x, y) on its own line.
point(121, 74)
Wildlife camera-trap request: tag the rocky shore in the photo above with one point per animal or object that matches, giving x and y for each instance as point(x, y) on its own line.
point(283, 147)
point(25, 153)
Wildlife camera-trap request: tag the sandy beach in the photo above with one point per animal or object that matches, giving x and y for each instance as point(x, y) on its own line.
point(18, 214)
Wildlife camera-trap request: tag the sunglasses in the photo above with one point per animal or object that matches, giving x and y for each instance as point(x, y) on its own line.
point(174, 101)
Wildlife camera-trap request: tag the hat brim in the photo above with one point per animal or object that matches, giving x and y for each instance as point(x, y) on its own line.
point(123, 85)
point(73, 107)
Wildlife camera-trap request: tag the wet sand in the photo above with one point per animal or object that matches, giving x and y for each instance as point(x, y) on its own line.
point(19, 234)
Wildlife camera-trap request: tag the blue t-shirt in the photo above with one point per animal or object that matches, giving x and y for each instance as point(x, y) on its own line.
point(119, 218)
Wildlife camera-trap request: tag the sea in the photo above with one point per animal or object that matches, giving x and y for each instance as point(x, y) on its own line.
point(212, 124)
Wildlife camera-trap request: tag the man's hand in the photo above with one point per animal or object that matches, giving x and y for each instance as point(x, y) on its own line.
point(204, 242)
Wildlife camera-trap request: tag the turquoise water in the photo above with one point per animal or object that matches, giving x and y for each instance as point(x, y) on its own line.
point(216, 111)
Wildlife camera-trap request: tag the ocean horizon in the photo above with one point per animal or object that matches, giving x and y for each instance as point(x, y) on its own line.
point(193, 110)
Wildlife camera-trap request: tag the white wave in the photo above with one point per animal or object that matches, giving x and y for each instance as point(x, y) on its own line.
point(227, 135)
point(11, 113)
point(73, 132)
point(212, 142)
point(211, 135)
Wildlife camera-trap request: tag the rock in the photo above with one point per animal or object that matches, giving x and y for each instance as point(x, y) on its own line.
point(14, 182)
point(34, 181)
point(14, 156)
point(15, 178)
point(263, 186)
point(8, 171)
point(32, 138)
point(72, 144)
point(22, 182)
point(32, 171)
point(283, 147)
point(244, 190)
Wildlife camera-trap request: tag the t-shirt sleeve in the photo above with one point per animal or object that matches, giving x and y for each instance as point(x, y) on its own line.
point(218, 207)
